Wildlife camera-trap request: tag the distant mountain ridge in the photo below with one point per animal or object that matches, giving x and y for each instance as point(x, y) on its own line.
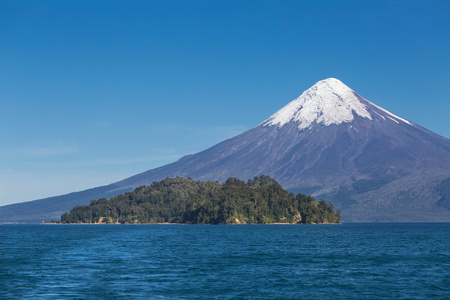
point(331, 142)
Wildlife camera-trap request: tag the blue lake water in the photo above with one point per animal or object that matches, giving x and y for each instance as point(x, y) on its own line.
point(350, 261)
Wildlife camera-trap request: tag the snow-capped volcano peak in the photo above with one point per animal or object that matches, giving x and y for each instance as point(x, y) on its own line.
point(327, 102)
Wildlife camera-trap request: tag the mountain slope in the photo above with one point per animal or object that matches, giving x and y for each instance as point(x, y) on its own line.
point(333, 143)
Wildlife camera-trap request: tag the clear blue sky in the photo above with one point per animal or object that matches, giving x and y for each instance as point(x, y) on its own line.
point(92, 92)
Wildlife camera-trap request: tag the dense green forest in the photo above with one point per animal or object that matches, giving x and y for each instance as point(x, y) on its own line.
point(261, 200)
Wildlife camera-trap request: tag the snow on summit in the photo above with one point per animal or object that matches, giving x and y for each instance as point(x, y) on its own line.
point(327, 102)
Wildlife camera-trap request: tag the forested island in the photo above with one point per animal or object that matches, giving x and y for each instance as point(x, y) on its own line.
point(260, 200)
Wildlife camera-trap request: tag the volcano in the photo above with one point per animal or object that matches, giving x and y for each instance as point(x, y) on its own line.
point(330, 143)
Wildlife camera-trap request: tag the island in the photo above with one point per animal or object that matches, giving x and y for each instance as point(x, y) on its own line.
point(261, 200)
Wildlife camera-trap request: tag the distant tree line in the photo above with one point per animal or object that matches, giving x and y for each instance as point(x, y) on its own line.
point(260, 200)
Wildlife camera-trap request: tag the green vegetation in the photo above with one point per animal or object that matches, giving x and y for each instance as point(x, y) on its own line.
point(261, 200)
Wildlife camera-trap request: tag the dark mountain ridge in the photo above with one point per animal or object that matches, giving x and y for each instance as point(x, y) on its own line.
point(330, 142)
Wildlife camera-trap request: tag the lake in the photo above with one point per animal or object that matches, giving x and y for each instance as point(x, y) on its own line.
point(349, 261)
